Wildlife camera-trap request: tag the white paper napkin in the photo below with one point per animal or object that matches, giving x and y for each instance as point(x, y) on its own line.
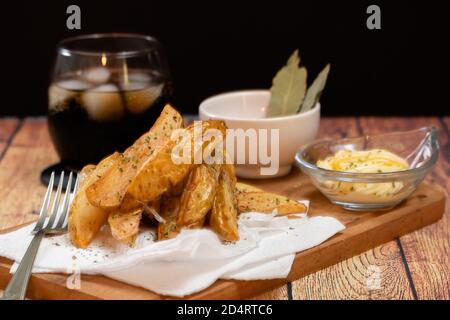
point(192, 261)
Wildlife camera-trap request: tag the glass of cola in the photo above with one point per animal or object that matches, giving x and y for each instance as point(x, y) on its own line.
point(106, 90)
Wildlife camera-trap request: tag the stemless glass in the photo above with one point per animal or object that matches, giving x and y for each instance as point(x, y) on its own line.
point(106, 90)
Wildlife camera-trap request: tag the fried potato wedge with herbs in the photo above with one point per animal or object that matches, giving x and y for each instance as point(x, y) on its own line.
point(198, 196)
point(110, 189)
point(159, 173)
point(243, 187)
point(223, 219)
point(231, 171)
point(85, 220)
point(86, 171)
point(125, 225)
point(252, 199)
point(169, 210)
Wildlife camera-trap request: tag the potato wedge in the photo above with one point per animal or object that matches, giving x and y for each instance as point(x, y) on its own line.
point(198, 196)
point(160, 173)
point(85, 219)
point(158, 176)
point(86, 171)
point(110, 189)
point(243, 187)
point(260, 201)
point(223, 219)
point(231, 171)
point(169, 211)
point(125, 225)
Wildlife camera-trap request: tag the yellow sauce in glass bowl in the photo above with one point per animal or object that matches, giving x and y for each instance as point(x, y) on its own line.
point(369, 161)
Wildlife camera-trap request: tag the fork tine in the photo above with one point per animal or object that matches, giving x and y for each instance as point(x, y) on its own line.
point(55, 205)
point(65, 205)
point(77, 185)
point(45, 205)
point(72, 196)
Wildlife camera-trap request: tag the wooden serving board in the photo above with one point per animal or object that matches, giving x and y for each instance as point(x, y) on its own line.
point(364, 230)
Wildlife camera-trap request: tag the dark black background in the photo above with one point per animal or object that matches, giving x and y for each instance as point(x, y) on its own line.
point(216, 46)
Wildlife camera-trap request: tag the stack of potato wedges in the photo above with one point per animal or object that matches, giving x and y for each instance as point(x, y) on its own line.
point(143, 181)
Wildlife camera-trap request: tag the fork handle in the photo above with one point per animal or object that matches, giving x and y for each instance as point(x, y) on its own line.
point(17, 286)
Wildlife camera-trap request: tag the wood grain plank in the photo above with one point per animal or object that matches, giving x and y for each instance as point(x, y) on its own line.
point(3, 146)
point(280, 293)
point(21, 191)
point(348, 279)
point(375, 274)
point(427, 251)
point(7, 127)
point(338, 127)
point(33, 133)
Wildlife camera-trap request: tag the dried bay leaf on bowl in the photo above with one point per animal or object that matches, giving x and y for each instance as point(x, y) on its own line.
point(315, 90)
point(288, 88)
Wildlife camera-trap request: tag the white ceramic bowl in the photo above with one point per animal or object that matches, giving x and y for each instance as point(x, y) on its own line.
point(246, 110)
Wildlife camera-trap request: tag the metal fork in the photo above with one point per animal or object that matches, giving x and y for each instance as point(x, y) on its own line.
point(17, 286)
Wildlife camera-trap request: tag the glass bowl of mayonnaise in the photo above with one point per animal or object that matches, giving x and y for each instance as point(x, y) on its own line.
point(372, 172)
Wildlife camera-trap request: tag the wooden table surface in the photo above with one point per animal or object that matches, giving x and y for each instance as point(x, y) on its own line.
point(415, 266)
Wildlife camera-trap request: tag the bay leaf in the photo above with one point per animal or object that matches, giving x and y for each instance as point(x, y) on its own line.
point(315, 90)
point(294, 59)
point(288, 88)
